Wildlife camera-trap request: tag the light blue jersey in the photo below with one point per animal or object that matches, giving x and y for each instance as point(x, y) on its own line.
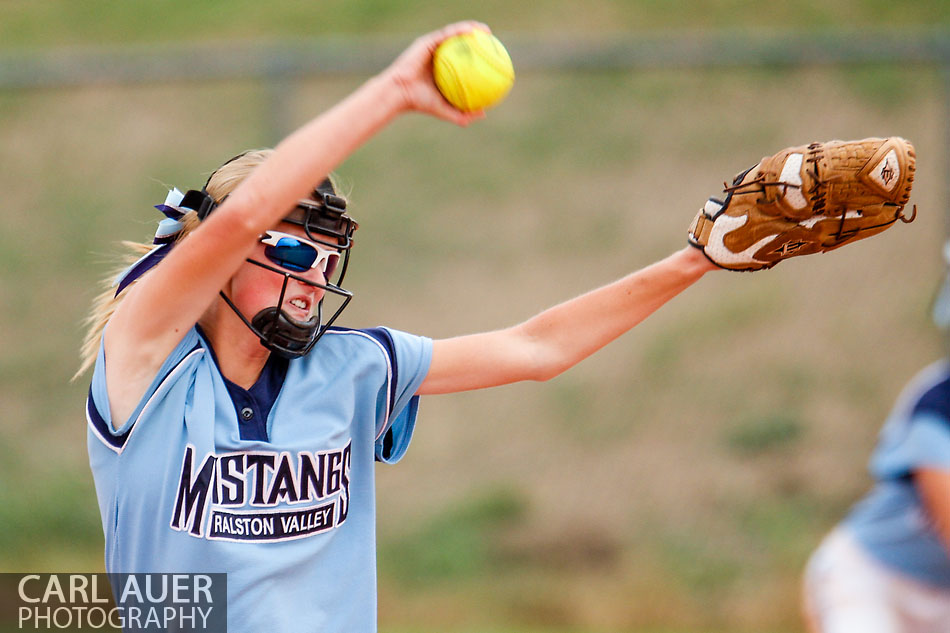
point(273, 486)
point(890, 523)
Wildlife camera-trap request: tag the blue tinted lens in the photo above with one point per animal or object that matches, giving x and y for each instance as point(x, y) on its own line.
point(291, 254)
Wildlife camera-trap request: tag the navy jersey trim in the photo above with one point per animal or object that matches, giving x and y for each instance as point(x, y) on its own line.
point(103, 430)
point(388, 441)
point(935, 400)
point(385, 339)
point(252, 406)
point(101, 427)
point(926, 395)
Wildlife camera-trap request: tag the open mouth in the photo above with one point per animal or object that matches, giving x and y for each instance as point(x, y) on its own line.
point(301, 305)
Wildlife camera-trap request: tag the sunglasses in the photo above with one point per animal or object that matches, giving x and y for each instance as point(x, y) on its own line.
point(298, 254)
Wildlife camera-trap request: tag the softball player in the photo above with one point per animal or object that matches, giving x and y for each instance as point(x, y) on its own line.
point(232, 430)
point(886, 567)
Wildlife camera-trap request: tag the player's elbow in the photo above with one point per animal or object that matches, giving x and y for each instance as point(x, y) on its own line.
point(546, 373)
point(245, 209)
point(546, 362)
point(541, 356)
point(554, 367)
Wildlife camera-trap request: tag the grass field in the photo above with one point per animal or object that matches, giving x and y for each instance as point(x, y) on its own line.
point(26, 24)
point(676, 481)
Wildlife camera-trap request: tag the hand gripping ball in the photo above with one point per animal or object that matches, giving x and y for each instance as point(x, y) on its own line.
point(473, 70)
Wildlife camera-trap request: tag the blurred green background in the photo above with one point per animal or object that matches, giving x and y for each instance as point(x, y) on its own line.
point(675, 481)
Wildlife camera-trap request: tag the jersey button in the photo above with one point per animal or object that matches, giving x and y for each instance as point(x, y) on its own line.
point(247, 413)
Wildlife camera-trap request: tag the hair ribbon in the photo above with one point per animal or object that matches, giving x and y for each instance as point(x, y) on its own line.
point(165, 236)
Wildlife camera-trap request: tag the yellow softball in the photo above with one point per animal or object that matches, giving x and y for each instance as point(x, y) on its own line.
point(473, 70)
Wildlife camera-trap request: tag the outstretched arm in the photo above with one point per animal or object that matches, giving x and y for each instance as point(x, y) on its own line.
point(558, 338)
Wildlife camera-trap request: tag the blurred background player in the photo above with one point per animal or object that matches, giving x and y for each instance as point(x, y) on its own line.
point(886, 567)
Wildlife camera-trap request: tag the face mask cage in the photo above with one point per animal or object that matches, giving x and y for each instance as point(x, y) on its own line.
point(324, 221)
point(281, 333)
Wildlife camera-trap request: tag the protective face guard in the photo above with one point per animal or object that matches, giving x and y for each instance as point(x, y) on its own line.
point(325, 222)
point(283, 334)
point(323, 216)
point(327, 217)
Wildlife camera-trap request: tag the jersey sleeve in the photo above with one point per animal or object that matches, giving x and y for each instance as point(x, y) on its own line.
point(98, 409)
point(409, 357)
point(923, 442)
point(917, 431)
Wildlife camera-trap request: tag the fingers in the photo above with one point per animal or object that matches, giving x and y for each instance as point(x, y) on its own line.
point(411, 74)
point(437, 106)
point(456, 28)
point(427, 44)
point(460, 118)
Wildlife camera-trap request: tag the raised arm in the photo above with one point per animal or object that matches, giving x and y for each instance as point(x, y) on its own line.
point(558, 338)
point(157, 311)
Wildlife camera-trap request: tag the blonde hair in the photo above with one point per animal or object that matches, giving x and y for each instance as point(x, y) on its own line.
point(221, 183)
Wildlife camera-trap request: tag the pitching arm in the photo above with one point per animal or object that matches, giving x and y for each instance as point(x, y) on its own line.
point(157, 311)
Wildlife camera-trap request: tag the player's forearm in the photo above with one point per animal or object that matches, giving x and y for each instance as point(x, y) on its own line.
point(305, 157)
point(571, 331)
